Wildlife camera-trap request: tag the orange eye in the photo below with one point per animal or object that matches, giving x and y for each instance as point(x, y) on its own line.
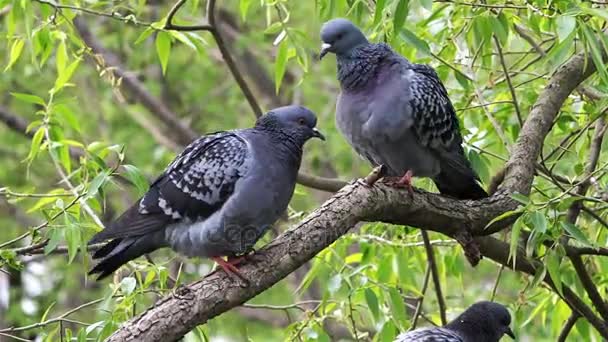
point(301, 121)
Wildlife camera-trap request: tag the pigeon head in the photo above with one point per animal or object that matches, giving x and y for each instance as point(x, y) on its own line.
point(487, 321)
point(296, 121)
point(340, 36)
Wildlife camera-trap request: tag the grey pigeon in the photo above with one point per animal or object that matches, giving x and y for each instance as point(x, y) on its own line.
point(397, 114)
point(482, 322)
point(218, 197)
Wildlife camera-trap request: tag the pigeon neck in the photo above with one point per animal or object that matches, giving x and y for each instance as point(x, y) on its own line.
point(361, 64)
point(288, 144)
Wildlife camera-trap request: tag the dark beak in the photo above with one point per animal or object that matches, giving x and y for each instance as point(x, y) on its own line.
point(324, 50)
point(317, 134)
point(510, 332)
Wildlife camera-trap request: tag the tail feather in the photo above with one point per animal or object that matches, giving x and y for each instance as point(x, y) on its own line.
point(118, 252)
point(460, 184)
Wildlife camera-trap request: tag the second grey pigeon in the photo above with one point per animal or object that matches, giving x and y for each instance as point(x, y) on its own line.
point(397, 114)
point(218, 197)
point(482, 322)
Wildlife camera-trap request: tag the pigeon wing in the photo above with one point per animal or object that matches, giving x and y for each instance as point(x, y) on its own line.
point(195, 185)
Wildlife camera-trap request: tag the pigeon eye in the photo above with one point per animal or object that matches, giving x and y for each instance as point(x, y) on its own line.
point(340, 35)
point(301, 121)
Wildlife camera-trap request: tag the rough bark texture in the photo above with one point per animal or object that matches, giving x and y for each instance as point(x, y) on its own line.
point(196, 303)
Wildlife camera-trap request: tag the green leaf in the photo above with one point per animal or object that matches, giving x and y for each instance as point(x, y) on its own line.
point(565, 26)
point(514, 243)
point(135, 176)
point(29, 98)
point(127, 285)
point(16, 49)
point(504, 216)
point(36, 142)
point(280, 64)
point(163, 48)
point(557, 55)
point(147, 32)
point(523, 199)
point(61, 57)
point(65, 76)
point(539, 221)
point(397, 307)
point(500, 29)
point(243, 8)
point(378, 11)
point(96, 183)
point(183, 38)
point(335, 283)
point(55, 236)
point(576, 233)
point(72, 238)
point(412, 39)
point(46, 312)
point(552, 262)
point(426, 4)
point(65, 113)
point(372, 303)
point(400, 15)
point(596, 50)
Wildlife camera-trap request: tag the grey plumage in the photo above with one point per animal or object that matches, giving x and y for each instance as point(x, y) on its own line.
point(218, 197)
point(483, 321)
point(397, 113)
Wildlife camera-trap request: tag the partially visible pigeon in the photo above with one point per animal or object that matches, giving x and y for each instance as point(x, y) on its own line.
point(218, 197)
point(482, 322)
point(397, 114)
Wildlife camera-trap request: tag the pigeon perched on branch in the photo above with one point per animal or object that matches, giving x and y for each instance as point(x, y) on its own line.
point(218, 197)
point(482, 322)
point(397, 114)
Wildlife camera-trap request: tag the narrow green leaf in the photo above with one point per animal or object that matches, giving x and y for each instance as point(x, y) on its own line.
point(127, 285)
point(46, 312)
point(372, 302)
point(552, 262)
point(145, 34)
point(564, 26)
point(72, 238)
point(400, 15)
point(65, 76)
point(539, 221)
point(36, 142)
point(504, 216)
point(61, 57)
point(515, 232)
point(16, 49)
point(596, 50)
point(576, 233)
point(557, 55)
point(96, 183)
point(29, 98)
point(378, 11)
point(243, 8)
point(426, 4)
point(523, 199)
point(280, 64)
point(500, 30)
point(67, 115)
point(135, 176)
point(397, 307)
point(163, 48)
point(183, 38)
point(412, 39)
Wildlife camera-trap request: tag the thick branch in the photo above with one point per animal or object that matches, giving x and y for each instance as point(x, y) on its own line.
point(174, 316)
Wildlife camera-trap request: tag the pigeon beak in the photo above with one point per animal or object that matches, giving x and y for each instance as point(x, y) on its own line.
point(324, 50)
point(510, 332)
point(317, 134)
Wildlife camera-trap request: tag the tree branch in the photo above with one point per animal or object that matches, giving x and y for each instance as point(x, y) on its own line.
point(173, 316)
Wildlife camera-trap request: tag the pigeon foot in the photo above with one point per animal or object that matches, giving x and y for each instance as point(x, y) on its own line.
point(230, 268)
point(402, 182)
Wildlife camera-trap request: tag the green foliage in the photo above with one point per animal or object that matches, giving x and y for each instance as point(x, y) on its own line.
point(90, 145)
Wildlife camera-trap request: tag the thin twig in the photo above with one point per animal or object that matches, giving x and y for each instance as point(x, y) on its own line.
point(130, 19)
point(430, 255)
point(425, 285)
point(508, 78)
point(563, 335)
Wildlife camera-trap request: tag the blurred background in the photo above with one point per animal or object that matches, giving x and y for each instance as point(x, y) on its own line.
point(96, 99)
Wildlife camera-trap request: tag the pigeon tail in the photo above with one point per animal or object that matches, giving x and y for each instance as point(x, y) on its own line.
point(120, 251)
point(458, 184)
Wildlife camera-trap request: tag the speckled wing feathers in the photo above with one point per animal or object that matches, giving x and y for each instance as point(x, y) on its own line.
point(194, 185)
point(430, 335)
point(435, 121)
